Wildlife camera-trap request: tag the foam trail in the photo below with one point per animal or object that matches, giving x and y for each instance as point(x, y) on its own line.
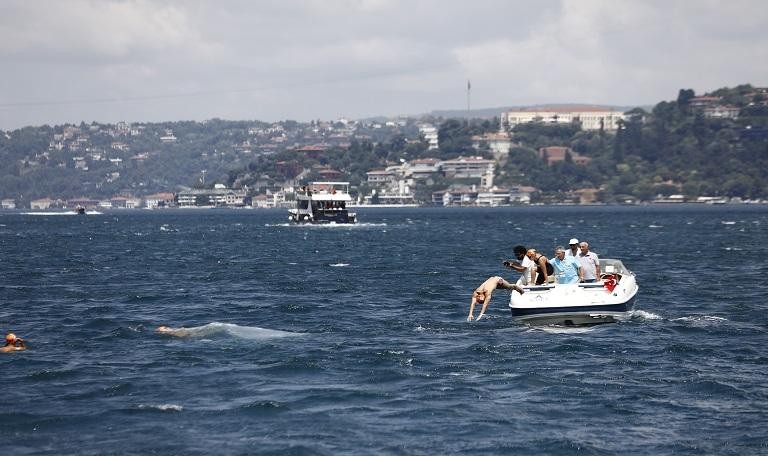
point(241, 332)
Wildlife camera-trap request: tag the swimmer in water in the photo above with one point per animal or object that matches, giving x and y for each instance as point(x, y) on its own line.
point(482, 295)
point(178, 332)
point(13, 343)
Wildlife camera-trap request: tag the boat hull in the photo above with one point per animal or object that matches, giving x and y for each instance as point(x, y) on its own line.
point(323, 203)
point(607, 301)
point(320, 219)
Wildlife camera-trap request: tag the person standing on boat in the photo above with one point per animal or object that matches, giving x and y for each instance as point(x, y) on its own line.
point(567, 268)
point(574, 248)
point(523, 265)
point(482, 295)
point(543, 268)
point(590, 263)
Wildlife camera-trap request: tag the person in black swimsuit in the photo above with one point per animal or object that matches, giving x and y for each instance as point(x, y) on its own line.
point(543, 268)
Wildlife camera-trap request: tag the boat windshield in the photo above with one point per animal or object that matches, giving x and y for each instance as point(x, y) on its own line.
point(612, 266)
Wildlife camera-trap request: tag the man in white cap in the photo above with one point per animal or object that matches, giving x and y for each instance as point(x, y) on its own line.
point(574, 248)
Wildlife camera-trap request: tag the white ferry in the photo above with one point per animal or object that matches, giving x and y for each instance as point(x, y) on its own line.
point(323, 202)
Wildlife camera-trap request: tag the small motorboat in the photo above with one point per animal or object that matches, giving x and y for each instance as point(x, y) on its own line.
point(608, 300)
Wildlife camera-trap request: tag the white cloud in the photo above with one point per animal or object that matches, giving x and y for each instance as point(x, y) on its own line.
point(93, 30)
point(304, 59)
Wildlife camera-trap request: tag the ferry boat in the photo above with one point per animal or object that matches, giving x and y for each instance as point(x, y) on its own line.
point(608, 300)
point(323, 203)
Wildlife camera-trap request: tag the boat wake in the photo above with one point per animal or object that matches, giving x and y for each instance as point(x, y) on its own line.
point(61, 213)
point(229, 329)
point(643, 315)
point(700, 320)
point(323, 226)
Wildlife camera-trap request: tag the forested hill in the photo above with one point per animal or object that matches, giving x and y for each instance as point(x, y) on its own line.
point(713, 144)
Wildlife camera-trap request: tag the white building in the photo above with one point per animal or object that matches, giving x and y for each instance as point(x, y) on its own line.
point(498, 143)
point(421, 169)
point(470, 167)
point(217, 196)
point(429, 132)
point(591, 118)
point(41, 204)
point(164, 199)
point(380, 176)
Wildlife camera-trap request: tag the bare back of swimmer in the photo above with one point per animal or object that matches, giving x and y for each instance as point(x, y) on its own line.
point(482, 295)
point(178, 332)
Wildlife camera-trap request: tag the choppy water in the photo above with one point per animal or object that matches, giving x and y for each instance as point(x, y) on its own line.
point(353, 340)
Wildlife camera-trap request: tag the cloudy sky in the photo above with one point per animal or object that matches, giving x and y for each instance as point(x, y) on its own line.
point(164, 60)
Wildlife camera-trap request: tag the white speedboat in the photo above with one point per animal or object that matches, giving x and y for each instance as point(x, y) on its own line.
point(322, 202)
point(608, 300)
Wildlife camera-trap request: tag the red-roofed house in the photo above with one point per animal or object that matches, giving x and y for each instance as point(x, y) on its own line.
point(557, 153)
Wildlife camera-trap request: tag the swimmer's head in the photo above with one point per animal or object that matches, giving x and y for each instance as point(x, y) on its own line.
point(479, 297)
point(163, 329)
point(10, 338)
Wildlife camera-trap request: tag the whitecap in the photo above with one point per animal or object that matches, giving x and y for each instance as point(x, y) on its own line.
point(645, 315)
point(162, 407)
point(701, 318)
point(727, 222)
point(338, 265)
point(325, 226)
point(655, 226)
point(50, 213)
point(241, 332)
point(554, 329)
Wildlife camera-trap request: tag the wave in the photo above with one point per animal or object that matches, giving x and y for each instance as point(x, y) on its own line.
point(338, 265)
point(161, 407)
point(326, 225)
point(240, 332)
point(554, 329)
point(61, 213)
point(51, 213)
point(700, 320)
point(641, 314)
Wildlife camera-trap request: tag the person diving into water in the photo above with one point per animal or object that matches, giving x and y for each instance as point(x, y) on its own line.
point(482, 295)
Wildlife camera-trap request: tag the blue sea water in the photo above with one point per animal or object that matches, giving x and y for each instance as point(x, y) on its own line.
point(353, 340)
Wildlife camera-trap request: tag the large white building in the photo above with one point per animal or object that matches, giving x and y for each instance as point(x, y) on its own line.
point(429, 132)
point(590, 117)
point(470, 167)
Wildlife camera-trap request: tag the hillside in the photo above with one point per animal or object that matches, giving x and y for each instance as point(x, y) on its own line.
point(714, 144)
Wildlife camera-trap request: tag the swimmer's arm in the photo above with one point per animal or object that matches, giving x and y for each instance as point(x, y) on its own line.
point(471, 309)
point(485, 304)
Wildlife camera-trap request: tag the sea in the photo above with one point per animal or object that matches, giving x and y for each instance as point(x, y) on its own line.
point(354, 340)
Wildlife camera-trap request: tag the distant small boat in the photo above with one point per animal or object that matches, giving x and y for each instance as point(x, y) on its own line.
point(323, 203)
point(80, 210)
point(608, 300)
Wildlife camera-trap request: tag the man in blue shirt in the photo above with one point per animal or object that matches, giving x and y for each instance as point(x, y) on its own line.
point(567, 268)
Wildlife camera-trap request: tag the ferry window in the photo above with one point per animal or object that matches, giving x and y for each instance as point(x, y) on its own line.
point(303, 204)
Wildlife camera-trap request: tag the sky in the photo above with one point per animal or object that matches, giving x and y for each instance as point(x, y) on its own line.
point(72, 61)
